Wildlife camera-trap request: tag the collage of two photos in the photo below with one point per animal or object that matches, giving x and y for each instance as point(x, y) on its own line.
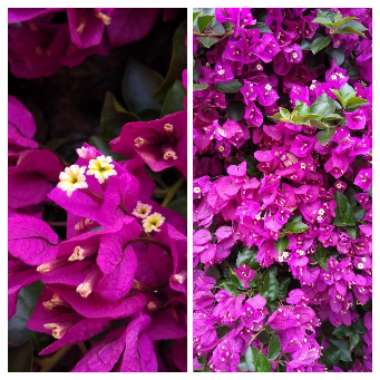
point(173, 217)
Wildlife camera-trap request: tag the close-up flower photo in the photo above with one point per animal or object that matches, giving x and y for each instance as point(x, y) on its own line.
point(97, 190)
point(282, 192)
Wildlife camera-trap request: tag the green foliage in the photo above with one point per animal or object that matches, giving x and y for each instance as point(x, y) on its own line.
point(139, 85)
point(319, 43)
point(348, 99)
point(235, 110)
point(18, 334)
point(344, 211)
point(229, 87)
point(339, 24)
point(274, 347)
point(177, 63)
point(174, 99)
point(294, 226)
point(112, 118)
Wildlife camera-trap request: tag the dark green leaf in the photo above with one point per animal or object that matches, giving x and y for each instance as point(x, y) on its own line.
point(229, 87)
point(178, 61)
point(321, 257)
point(179, 205)
point(208, 42)
point(174, 99)
point(235, 110)
point(351, 27)
point(139, 85)
point(20, 359)
point(319, 44)
point(337, 55)
point(200, 86)
point(348, 99)
point(26, 300)
point(323, 106)
point(295, 226)
point(344, 214)
point(282, 244)
point(325, 135)
point(274, 347)
point(113, 117)
point(260, 362)
point(246, 256)
point(204, 21)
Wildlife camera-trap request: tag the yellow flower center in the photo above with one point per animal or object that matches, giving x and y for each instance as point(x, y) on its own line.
point(153, 222)
point(101, 168)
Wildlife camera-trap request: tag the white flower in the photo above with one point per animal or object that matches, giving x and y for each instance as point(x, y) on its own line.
point(142, 210)
point(101, 168)
point(153, 222)
point(72, 178)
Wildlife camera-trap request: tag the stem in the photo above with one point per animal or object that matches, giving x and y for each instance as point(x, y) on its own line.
point(50, 362)
point(172, 192)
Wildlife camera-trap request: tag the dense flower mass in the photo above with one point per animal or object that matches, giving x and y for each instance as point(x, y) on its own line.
point(282, 190)
point(97, 243)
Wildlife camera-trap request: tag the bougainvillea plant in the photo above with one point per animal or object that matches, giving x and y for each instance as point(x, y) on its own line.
point(97, 191)
point(282, 190)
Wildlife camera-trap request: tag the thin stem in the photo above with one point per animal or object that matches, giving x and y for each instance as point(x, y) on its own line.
point(50, 362)
point(172, 192)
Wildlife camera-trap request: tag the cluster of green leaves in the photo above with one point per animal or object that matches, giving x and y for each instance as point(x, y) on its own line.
point(348, 99)
point(20, 339)
point(337, 24)
point(255, 360)
point(345, 343)
point(348, 213)
point(324, 114)
point(145, 93)
point(207, 28)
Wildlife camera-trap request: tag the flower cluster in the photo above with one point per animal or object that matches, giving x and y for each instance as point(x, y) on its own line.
point(282, 190)
point(42, 40)
point(97, 245)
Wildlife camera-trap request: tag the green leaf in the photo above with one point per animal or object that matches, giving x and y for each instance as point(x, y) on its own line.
point(18, 334)
point(274, 347)
point(325, 135)
point(204, 21)
point(200, 86)
point(113, 116)
point(260, 362)
point(339, 24)
point(248, 364)
point(235, 110)
point(295, 226)
point(282, 244)
point(178, 61)
point(179, 205)
point(174, 99)
point(351, 27)
point(229, 87)
point(323, 106)
point(246, 256)
point(284, 113)
point(20, 359)
point(344, 213)
point(139, 85)
point(348, 99)
point(325, 18)
point(208, 42)
point(321, 257)
point(319, 44)
point(337, 55)
point(269, 285)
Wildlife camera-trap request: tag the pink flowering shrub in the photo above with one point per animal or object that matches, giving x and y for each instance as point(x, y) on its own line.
point(282, 190)
point(97, 221)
